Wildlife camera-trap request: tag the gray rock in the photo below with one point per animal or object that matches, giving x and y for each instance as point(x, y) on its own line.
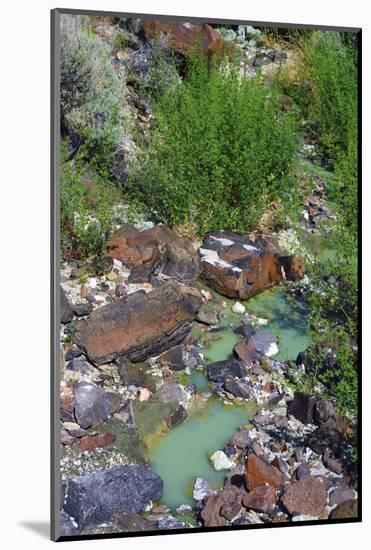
point(66, 313)
point(237, 387)
point(176, 417)
point(93, 405)
point(168, 522)
point(81, 310)
point(67, 528)
point(265, 343)
point(72, 352)
point(184, 509)
point(207, 317)
point(201, 489)
point(81, 365)
point(94, 498)
point(217, 372)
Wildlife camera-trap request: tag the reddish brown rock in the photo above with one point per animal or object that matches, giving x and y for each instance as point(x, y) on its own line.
point(240, 268)
point(182, 37)
point(307, 496)
point(227, 501)
point(140, 325)
point(259, 473)
point(90, 442)
point(341, 494)
point(245, 351)
point(261, 499)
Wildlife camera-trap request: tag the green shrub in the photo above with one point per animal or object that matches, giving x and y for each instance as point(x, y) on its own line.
point(221, 150)
point(86, 214)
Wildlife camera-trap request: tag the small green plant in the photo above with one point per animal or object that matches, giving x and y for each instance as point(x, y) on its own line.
point(120, 40)
point(221, 149)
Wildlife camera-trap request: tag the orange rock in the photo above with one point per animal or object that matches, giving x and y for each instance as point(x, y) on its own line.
point(91, 442)
point(259, 473)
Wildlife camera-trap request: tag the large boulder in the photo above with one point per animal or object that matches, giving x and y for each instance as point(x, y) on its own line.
point(181, 37)
point(140, 325)
point(157, 250)
point(214, 506)
point(217, 372)
point(93, 498)
point(240, 268)
point(305, 497)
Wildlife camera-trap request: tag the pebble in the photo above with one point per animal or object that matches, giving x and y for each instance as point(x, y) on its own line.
point(238, 308)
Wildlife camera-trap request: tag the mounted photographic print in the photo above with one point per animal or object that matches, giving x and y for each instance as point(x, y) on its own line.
point(205, 238)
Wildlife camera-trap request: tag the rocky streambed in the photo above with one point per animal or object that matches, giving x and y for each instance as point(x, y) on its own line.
point(179, 400)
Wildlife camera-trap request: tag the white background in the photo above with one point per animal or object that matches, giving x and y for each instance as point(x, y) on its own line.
point(24, 272)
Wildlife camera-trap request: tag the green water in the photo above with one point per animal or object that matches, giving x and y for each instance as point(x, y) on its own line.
point(198, 378)
point(287, 319)
point(183, 453)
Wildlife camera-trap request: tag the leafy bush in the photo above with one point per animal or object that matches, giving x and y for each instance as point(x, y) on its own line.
point(329, 98)
point(221, 149)
point(92, 95)
point(86, 214)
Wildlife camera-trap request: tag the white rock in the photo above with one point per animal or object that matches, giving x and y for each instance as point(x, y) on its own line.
point(92, 283)
point(220, 461)
point(272, 350)
point(238, 308)
point(201, 489)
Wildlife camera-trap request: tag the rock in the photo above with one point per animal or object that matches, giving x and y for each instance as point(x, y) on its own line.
point(259, 473)
point(169, 522)
point(326, 437)
point(123, 522)
point(184, 509)
point(245, 351)
point(301, 471)
point(144, 394)
point(302, 407)
point(67, 526)
point(72, 352)
point(265, 343)
point(66, 438)
point(220, 461)
point(341, 494)
point(240, 268)
point(180, 261)
point(141, 325)
point(91, 442)
point(81, 310)
point(207, 317)
point(94, 498)
point(216, 372)
point(66, 313)
point(238, 308)
point(306, 497)
point(181, 37)
point(260, 499)
point(173, 358)
point(345, 510)
point(74, 429)
point(171, 391)
point(241, 439)
point(210, 512)
point(293, 267)
point(131, 374)
point(331, 462)
point(93, 405)
point(323, 411)
point(237, 387)
point(176, 417)
point(201, 489)
point(79, 364)
point(280, 421)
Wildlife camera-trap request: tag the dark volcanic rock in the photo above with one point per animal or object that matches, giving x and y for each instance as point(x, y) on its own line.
point(326, 437)
point(307, 496)
point(93, 498)
point(263, 342)
point(237, 387)
point(121, 522)
point(67, 528)
point(79, 364)
point(245, 351)
point(240, 268)
point(66, 313)
point(217, 372)
point(258, 473)
point(82, 309)
point(180, 261)
point(140, 325)
point(176, 417)
point(302, 407)
point(341, 494)
point(241, 439)
point(93, 405)
point(173, 358)
point(131, 374)
point(323, 410)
